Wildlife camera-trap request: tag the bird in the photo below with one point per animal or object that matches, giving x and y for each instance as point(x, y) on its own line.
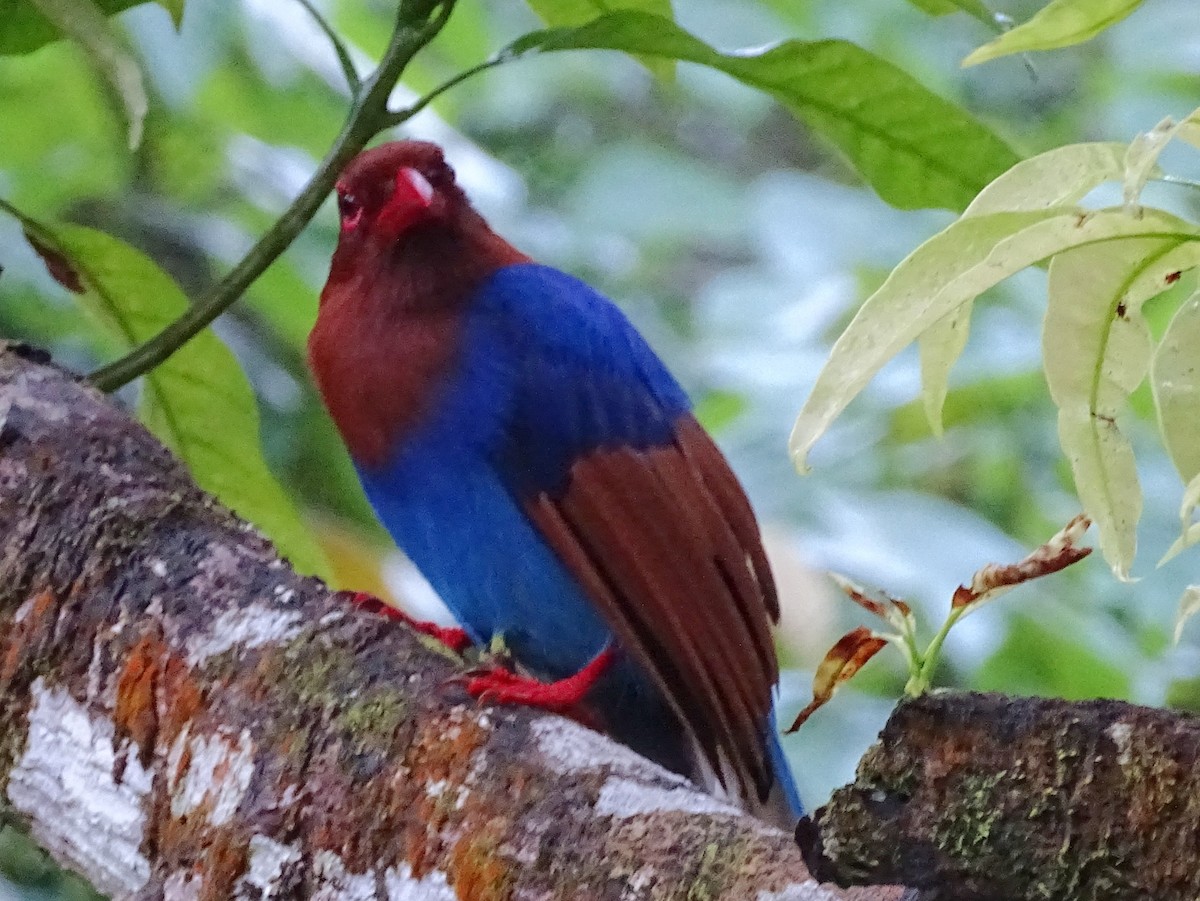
point(535, 459)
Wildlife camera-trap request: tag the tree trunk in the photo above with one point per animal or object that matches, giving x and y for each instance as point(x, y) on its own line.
point(183, 717)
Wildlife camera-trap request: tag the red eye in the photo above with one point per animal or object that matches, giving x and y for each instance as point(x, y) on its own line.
point(349, 209)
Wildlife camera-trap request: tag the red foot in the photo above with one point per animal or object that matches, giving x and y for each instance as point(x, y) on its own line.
point(503, 687)
point(455, 639)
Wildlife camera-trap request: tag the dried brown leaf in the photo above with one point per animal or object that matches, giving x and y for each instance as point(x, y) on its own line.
point(57, 265)
point(994, 579)
point(844, 659)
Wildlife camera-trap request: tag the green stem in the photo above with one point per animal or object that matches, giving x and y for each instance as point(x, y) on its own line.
point(922, 679)
point(343, 55)
point(368, 116)
point(400, 116)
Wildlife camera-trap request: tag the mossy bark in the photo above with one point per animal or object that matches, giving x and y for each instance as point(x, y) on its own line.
point(989, 798)
point(184, 717)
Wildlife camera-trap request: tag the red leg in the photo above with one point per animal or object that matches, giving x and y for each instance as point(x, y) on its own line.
point(504, 687)
point(455, 639)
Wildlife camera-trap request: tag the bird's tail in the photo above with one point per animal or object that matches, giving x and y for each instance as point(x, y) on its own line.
point(782, 806)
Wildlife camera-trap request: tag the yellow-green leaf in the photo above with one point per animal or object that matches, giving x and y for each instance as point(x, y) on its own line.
point(1175, 379)
point(1060, 23)
point(1096, 351)
point(198, 403)
point(949, 269)
point(1059, 177)
point(1141, 159)
point(1189, 606)
point(939, 348)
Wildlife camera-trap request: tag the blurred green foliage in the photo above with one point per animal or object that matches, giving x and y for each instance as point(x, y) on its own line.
point(734, 233)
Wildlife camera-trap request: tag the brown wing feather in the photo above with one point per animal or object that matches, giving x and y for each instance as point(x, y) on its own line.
point(664, 542)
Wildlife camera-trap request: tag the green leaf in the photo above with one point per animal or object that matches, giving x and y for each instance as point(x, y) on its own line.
point(83, 21)
point(974, 8)
point(571, 13)
point(1060, 23)
point(198, 403)
point(913, 147)
point(24, 28)
point(950, 269)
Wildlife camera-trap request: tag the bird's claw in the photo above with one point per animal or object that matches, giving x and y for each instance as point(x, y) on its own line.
point(455, 639)
point(499, 685)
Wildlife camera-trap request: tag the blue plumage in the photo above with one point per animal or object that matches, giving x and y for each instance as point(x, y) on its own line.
point(548, 370)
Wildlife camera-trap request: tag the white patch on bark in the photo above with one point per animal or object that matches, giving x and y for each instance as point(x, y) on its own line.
point(621, 798)
point(335, 883)
point(182, 886)
point(218, 773)
point(1121, 733)
point(570, 748)
point(25, 609)
point(268, 859)
point(402, 885)
point(799, 891)
point(634, 885)
point(64, 784)
point(249, 627)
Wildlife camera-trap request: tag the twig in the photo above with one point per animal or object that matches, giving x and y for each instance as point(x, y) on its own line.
point(339, 48)
point(368, 116)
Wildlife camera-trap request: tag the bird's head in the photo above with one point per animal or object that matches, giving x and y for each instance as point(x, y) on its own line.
point(390, 190)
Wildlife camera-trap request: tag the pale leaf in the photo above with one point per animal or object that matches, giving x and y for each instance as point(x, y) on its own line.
point(1189, 605)
point(1102, 461)
point(1141, 159)
point(1175, 379)
point(950, 269)
point(1096, 351)
point(1190, 531)
point(1059, 177)
point(939, 348)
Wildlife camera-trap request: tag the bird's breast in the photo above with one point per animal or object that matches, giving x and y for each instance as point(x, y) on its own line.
point(382, 377)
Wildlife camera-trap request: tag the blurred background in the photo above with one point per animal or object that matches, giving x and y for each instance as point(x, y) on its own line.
point(739, 244)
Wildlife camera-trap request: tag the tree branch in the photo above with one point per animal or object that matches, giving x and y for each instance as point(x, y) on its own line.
point(990, 798)
point(183, 717)
point(417, 23)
